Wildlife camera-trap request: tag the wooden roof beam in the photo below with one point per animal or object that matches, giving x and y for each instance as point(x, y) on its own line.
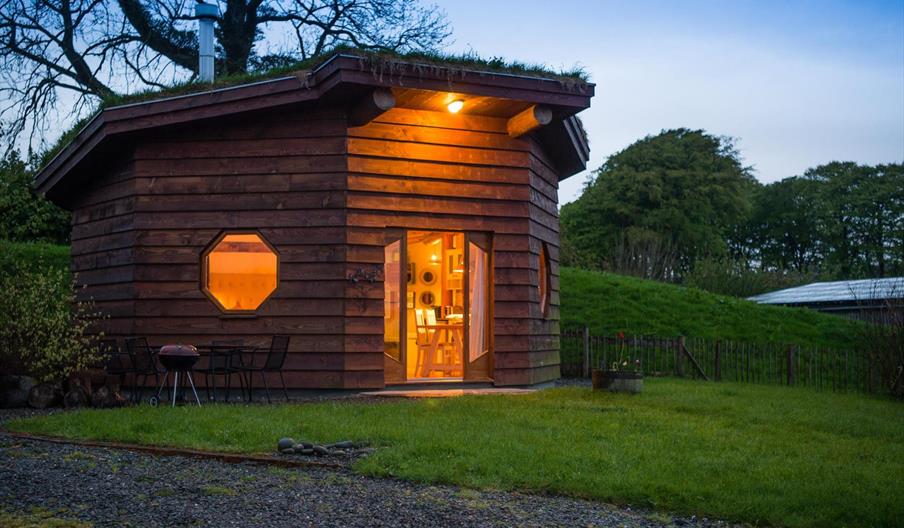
point(529, 120)
point(371, 106)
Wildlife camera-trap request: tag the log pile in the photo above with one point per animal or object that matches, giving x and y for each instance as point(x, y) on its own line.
point(89, 387)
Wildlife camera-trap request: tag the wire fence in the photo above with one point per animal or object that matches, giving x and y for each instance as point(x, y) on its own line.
point(719, 359)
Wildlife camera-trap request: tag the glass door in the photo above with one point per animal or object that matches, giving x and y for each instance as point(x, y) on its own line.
point(437, 307)
point(393, 322)
point(478, 364)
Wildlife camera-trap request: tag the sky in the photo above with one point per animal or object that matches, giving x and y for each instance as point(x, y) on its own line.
point(797, 84)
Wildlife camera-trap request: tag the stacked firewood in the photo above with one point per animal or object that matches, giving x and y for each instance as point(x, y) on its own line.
point(90, 387)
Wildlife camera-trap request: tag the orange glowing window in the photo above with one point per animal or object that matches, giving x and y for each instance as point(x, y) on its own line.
point(240, 271)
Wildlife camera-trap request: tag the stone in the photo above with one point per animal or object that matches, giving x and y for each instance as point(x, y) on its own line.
point(287, 451)
point(44, 395)
point(345, 444)
point(320, 450)
point(14, 390)
point(285, 443)
point(305, 451)
point(75, 398)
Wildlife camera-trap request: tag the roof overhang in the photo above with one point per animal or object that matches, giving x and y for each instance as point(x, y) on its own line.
point(343, 77)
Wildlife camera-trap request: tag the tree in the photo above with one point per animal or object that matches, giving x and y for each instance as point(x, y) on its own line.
point(784, 234)
point(72, 53)
point(861, 216)
point(24, 215)
point(685, 189)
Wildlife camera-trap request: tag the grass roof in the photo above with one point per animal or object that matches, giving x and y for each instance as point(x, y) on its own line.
point(452, 64)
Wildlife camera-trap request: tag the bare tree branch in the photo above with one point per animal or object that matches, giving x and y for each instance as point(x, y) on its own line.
point(59, 58)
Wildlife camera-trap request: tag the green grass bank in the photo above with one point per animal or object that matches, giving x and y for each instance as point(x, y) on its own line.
point(610, 303)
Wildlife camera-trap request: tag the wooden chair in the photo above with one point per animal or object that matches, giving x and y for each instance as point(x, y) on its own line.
point(429, 345)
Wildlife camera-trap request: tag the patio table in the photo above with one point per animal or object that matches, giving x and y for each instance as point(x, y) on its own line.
point(232, 356)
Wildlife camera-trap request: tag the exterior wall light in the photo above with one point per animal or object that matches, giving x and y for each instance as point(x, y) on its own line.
point(455, 106)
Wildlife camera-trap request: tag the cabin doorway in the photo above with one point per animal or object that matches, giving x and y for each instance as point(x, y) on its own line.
point(437, 307)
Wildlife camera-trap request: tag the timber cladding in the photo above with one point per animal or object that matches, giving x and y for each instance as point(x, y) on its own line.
point(437, 171)
point(328, 196)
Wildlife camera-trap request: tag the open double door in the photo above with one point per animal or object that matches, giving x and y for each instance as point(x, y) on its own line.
point(437, 307)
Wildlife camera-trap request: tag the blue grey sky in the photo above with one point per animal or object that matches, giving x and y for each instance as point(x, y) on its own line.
point(796, 83)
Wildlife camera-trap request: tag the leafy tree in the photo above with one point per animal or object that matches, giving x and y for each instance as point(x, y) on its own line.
point(71, 53)
point(860, 210)
point(684, 188)
point(783, 231)
point(26, 216)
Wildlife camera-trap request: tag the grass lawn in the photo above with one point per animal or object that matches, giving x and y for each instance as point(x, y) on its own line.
point(767, 455)
point(610, 303)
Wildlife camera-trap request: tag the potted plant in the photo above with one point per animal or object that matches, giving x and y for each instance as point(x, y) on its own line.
point(623, 375)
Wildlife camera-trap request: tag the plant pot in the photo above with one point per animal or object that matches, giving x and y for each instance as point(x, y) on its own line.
point(617, 380)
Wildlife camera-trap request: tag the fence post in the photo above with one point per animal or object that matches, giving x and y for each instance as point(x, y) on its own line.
point(717, 375)
point(791, 364)
point(586, 365)
point(679, 357)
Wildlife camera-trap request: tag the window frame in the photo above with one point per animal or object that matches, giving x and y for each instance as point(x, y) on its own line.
point(544, 278)
point(203, 279)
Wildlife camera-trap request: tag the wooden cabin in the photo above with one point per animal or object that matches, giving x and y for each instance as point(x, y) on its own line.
point(397, 219)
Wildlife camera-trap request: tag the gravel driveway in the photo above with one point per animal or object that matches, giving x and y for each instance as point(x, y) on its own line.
point(112, 487)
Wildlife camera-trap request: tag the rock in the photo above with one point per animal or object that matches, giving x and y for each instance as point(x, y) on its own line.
point(104, 398)
point(285, 443)
point(345, 444)
point(76, 397)
point(305, 451)
point(44, 395)
point(320, 450)
point(14, 391)
point(287, 451)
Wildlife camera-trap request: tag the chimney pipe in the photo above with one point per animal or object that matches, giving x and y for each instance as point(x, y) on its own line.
point(207, 14)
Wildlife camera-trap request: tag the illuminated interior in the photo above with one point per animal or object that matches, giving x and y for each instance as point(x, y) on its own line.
point(240, 271)
point(435, 305)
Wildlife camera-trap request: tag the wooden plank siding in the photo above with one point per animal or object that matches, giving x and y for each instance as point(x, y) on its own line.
point(414, 169)
point(327, 197)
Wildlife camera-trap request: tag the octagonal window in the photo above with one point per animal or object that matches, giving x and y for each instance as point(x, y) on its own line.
point(240, 271)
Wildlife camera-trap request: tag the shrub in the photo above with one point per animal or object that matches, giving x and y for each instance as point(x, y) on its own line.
point(32, 256)
point(43, 327)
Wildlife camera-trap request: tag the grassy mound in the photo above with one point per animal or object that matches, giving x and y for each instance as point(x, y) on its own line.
point(610, 303)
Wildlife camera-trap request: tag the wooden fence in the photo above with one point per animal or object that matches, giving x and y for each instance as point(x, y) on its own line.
point(720, 359)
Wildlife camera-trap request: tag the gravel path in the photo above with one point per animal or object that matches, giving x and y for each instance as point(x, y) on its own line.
point(112, 487)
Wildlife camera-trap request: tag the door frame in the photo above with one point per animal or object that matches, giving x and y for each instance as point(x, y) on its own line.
point(390, 363)
point(482, 240)
point(485, 242)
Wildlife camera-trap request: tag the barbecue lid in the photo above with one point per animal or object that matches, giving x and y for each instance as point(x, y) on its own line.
point(178, 350)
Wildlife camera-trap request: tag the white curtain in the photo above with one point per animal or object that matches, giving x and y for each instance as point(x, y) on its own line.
point(477, 319)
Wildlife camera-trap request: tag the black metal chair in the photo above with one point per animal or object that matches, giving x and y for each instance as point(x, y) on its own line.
point(144, 364)
point(276, 357)
point(113, 360)
point(223, 359)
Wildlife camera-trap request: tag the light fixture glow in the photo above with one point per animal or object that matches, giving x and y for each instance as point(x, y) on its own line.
point(455, 106)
